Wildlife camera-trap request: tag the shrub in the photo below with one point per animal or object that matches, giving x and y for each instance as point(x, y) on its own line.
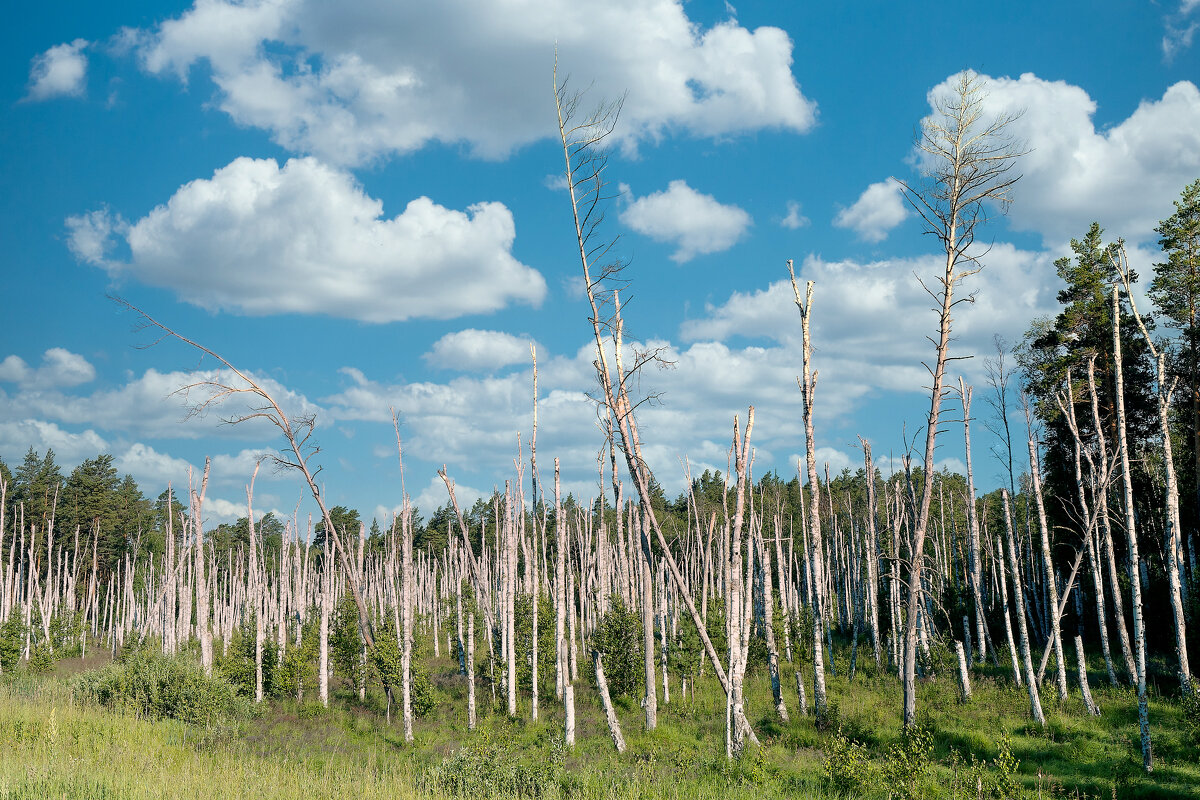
point(12, 642)
point(523, 624)
point(158, 686)
point(345, 642)
point(1190, 705)
point(41, 658)
point(483, 769)
point(907, 763)
point(386, 659)
point(847, 767)
point(237, 666)
point(618, 637)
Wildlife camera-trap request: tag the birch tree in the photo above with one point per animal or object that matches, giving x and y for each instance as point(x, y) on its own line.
point(967, 161)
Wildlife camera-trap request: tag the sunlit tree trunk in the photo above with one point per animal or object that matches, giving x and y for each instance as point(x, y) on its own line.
point(1135, 578)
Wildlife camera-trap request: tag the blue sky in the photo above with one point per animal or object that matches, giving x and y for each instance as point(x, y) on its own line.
point(359, 205)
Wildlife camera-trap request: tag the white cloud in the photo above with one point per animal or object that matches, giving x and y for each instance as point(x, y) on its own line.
point(90, 235)
point(1178, 39)
point(150, 405)
point(870, 320)
point(877, 210)
point(1179, 31)
point(61, 71)
point(473, 349)
point(305, 238)
point(153, 469)
point(18, 435)
point(365, 79)
point(794, 219)
point(1125, 175)
point(59, 368)
point(434, 496)
point(695, 223)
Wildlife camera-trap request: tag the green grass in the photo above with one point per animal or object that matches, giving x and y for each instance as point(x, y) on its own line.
point(54, 746)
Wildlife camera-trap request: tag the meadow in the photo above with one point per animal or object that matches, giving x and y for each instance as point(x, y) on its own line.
point(55, 743)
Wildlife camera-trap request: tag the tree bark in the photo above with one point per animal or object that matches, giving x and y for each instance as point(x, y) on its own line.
point(610, 714)
point(1135, 578)
point(1035, 700)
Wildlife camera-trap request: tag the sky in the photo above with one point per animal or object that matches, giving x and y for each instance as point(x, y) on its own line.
point(361, 205)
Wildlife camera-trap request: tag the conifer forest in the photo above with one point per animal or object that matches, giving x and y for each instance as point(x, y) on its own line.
point(851, 633)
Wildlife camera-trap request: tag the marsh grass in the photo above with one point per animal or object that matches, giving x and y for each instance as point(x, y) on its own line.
point(52, 745)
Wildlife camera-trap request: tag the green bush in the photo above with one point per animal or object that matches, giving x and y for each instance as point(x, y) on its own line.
point(483, 769)
point(1191, 715)
point(237, 666)
point(346, 644)
point(618, 637)
point(523, 624)
point(847, 767)
point(157, 686)
point(65, 633)
point(41, 658)
point(12, 642)
point(908, 762)
point(386, 659)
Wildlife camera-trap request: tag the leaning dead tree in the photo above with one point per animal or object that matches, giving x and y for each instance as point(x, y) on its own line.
point(583, 137)
point(967, 161)
point(297, 432)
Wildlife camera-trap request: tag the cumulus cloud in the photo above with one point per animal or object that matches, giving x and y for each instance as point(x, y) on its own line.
point(90, 236)
point(364, 79)
point(870, 319)
point(60, 368)
point(260, 239)
point(794, 219)
point(61, 71)
point(1124, 175)
point(434, 496)
point(473, 349)
point(18, 435)
point(695, 223)
point(878, 209)
point(151, 405)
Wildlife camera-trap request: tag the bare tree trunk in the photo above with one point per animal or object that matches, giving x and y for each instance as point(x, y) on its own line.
point(206, 654)
point(407, 593)
point(471, 670)
point(764, 565)
point(964, 681)
point(1092, 708)
point(1105, 529)
point(326, 610)
point(808, 385)
point(872, 544)
point(1035, 700)
point(610, 714)
point(1048, 563)
point(650, 701)
point(1174, 549)
point(974, 556)
point(971, 160)
point(1135, 578)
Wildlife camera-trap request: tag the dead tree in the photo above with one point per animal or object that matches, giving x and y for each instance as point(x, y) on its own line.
point(584, 158)
point(297, 432)
point(967, 161)
point(1135, 578)
point(1164, 391)
point(808, 384)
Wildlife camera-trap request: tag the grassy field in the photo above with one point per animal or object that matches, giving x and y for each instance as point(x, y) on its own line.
point(52, 745)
